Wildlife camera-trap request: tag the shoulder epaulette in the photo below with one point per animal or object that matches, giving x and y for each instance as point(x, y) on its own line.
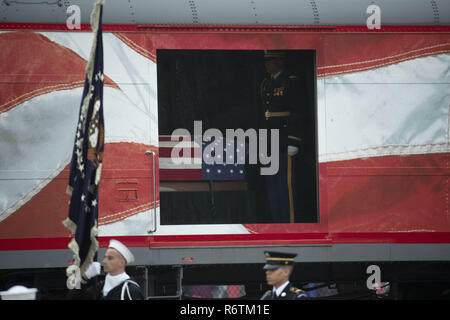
point(296, 290)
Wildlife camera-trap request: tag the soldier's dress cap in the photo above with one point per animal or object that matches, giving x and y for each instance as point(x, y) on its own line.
point(272, 54)
point(124, 251)
point(274, 260)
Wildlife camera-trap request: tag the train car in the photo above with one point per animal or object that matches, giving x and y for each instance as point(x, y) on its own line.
point(371, 176)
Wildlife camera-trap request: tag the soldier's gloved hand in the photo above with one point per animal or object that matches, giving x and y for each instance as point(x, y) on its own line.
point(93, 270)
point(292, 150)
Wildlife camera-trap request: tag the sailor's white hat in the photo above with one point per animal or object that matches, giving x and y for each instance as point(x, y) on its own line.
point(124, 251)
point(19, 293)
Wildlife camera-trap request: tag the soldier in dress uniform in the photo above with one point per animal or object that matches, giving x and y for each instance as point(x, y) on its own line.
point(280, 97)
point(117, 284)
point(278, 267)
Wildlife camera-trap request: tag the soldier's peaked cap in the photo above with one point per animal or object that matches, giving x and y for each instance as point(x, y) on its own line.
point(271, 54)
point(274, 260)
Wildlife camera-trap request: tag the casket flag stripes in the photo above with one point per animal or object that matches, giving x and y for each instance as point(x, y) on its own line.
point(86, 164)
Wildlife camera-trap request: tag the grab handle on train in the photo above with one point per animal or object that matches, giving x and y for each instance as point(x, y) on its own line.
point(153, 226)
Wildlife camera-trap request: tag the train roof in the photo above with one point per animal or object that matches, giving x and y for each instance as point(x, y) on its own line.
point(232, 12)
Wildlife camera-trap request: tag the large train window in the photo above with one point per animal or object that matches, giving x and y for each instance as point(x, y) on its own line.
point(237, 136)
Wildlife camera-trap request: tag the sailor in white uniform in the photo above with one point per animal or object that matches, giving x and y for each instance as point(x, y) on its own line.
point(117, 284)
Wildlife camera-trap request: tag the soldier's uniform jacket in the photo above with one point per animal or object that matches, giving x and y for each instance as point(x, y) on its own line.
point(127, 290)
point(281, 101)
point(289, 293)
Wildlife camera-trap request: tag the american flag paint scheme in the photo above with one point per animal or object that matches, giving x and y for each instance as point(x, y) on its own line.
point(382, 121)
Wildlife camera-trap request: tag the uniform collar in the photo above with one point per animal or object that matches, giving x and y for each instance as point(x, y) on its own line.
point(113, 281)
point(280, 289)
point(276, 75)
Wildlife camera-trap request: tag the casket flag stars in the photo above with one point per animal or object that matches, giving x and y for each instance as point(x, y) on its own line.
point(86, 164)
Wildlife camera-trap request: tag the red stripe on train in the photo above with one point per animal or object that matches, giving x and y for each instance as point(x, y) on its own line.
point(23, 77)
point(233, 240)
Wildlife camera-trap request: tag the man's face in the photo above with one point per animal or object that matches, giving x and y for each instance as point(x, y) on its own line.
point(278, 276)
point(113, 262)
point(273, 65)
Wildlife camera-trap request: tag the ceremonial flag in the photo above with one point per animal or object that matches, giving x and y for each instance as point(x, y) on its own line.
point(86, 164)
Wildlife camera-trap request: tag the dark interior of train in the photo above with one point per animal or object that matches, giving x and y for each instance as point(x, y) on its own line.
point(221, 88)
